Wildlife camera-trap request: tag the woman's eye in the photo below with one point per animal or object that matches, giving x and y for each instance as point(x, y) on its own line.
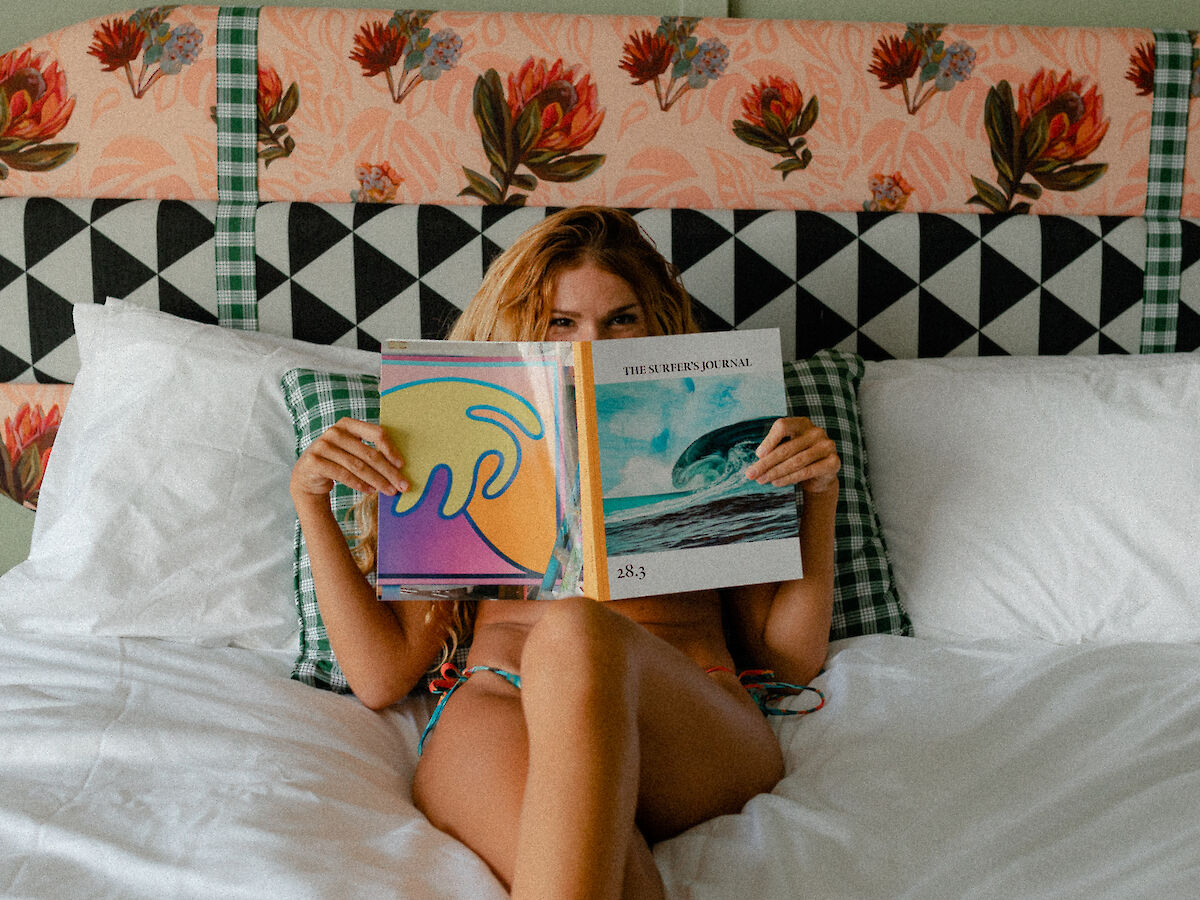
point(560, 323)
point(624, 319)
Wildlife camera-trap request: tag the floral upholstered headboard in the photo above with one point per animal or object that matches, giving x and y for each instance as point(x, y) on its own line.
point(346, 175)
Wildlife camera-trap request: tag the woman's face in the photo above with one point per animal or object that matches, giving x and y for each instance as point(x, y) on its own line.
point(592, 304)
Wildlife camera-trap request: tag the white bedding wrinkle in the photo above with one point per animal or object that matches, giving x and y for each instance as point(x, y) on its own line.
point(131, 772)
point(983, 770)
point(936, 770)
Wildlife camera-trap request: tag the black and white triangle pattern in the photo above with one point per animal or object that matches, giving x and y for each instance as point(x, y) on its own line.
point(884, 285)
point(55, 253)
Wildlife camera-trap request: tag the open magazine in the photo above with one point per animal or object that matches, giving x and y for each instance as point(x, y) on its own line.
point(613, 469)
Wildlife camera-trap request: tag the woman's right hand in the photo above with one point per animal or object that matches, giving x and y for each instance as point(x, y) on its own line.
point(340, 454)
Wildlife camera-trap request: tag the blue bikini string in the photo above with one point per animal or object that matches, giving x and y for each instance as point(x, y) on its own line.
point(449, 682)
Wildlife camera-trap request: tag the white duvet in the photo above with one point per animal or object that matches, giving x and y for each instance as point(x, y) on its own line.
point(139, 768)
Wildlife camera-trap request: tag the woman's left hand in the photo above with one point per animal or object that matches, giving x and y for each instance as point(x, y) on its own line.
point(795, 451)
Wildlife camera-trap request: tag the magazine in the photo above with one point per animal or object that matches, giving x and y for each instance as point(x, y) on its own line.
point(613, 469)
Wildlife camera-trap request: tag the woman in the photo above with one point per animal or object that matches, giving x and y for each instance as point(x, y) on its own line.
point(590, 731)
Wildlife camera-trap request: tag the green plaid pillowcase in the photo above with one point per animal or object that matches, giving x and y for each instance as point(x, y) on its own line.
point(825, 388)
point(317, 400)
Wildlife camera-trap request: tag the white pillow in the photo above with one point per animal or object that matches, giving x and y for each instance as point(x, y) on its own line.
point(1053, 497)
point(165, 509)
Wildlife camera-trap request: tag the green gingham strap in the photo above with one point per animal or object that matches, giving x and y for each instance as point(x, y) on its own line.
point(1164, 190)
point(237, 165)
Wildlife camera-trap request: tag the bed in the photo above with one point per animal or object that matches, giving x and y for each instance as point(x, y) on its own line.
point(1013, 683)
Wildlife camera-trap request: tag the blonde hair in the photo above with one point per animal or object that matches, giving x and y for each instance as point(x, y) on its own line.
point(517, 295)
point(514, 303)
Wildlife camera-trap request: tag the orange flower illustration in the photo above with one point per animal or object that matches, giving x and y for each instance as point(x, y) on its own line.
point(777, 119)
point(379, 47)
point(164, 49)
point(896, 60)
point(569, 117)
point(1141, 69)
point(376, 184)
point(674, 50)
point(889, 193)
point(1144, 60)
point(275, 107)
point(28, 437)
point(1045, 132)
point(921, 52)
point(647, 55)
point(1076, 122)
point(117, 43)
point(550, 112)
point(34, 107)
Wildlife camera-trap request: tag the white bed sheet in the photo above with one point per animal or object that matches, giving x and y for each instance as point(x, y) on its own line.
point(974, 771)
point(138, 768)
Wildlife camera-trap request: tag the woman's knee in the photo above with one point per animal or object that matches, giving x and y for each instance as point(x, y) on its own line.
point(578, 645)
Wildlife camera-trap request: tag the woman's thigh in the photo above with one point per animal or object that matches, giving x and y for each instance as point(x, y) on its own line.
point(704, 748)
point(470, 780)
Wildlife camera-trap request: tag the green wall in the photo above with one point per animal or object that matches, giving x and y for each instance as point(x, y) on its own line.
point(21, 22)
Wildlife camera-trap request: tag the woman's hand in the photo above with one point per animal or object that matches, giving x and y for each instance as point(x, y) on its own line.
point(795, 451)
point(340, 455)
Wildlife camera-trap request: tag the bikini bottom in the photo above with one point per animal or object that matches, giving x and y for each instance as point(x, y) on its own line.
point(760, 684)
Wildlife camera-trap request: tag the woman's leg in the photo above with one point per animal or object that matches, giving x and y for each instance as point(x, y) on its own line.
point(612, 727)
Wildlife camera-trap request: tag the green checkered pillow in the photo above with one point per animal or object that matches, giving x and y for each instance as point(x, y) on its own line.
point(317, 400)
point(825, 388)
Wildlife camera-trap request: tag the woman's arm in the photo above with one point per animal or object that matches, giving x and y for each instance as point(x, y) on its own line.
point(785, 626)
point(383, 648)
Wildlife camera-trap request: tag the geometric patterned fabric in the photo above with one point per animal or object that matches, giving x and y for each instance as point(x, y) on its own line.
point(883, 285)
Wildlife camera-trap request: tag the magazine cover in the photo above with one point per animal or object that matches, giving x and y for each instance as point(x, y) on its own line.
point(614, 469)
point(483, 429)
point(670, 425)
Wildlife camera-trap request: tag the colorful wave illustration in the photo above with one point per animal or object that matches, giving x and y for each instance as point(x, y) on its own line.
point(493, 445)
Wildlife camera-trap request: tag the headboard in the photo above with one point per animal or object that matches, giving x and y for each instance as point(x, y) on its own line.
point(346, 175)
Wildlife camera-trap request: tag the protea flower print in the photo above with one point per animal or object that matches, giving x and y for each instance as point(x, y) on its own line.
point(1075, 120)
point(380, 47)
point(1049, 130)
point(377, 48)
point(34, 107)
point(549, 113)
point(647, 55)
point(673, 47)
point(895, 61)
point(777, 119)
point(164, 49)
point(376, 183)
point(570, 117)
point(889, 193)
point(921, 52)
point(117, 43)
point(275, 107)
point(1143, 62)
point(28, 437)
